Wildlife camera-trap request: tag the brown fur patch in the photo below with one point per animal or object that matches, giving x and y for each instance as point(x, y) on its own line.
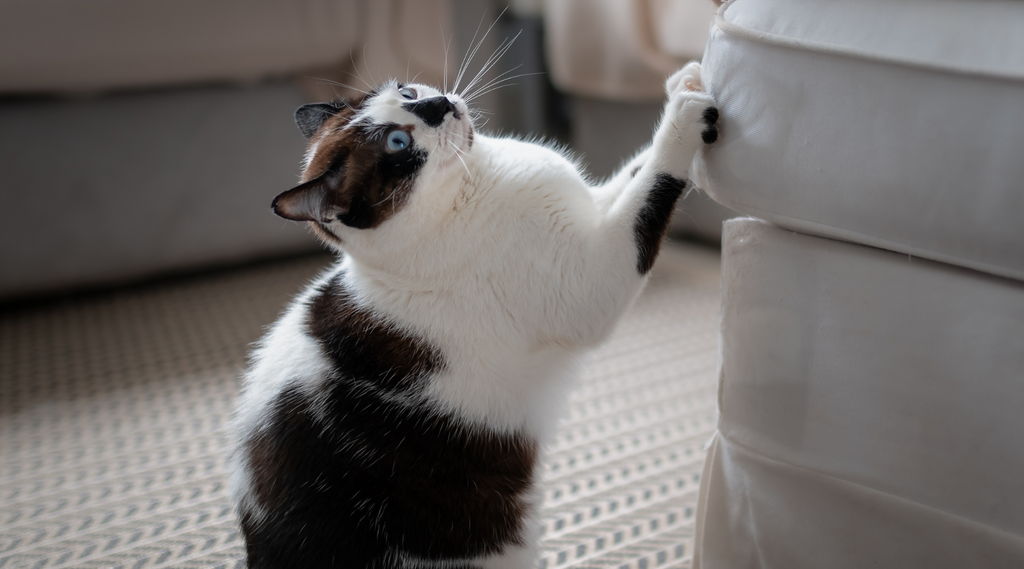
point(373, 184)
point(330, 139)
point(365, 346)
point(347, 473)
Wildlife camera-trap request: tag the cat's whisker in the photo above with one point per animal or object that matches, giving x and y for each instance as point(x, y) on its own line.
point(468, 56)
point(495, 88)
point(366, 65)
point(475, 83)
point(501, 76)
point(481, 121)
point(471, 54)
point(458, 155)
point(489, 62)
point(358, 74)
point(389, 197)
point(503, 48)
point(483, 91)
point(493, 60)
point(447, 45)
point(499, 82)
point(339, 84)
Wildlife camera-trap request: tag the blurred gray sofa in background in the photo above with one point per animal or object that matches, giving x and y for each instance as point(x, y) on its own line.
point(140, 138)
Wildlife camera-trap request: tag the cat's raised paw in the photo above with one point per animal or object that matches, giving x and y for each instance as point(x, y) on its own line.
point(694, 116)
point(692, 110)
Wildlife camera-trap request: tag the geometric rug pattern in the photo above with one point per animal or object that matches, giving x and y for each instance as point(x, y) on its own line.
point(112, 408)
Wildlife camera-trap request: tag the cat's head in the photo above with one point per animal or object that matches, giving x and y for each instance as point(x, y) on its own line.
point(367, 157)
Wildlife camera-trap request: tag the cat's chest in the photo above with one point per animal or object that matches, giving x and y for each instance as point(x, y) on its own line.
point(464, 360)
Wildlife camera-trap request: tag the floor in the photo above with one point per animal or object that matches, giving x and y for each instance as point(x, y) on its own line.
point(112, 409)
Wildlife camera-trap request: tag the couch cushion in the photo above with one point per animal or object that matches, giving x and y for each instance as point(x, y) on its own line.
point(93, 198)
point(66, 45)
point(893, 124)
point(870, 410)
point(58, 46)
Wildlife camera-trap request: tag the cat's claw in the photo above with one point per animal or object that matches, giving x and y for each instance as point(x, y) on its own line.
point(687, 78)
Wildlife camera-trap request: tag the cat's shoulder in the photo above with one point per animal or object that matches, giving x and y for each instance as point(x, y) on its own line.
point(533, 173)
point(533, 157)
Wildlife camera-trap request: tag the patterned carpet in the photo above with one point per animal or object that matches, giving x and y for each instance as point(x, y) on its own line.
point(112, 409)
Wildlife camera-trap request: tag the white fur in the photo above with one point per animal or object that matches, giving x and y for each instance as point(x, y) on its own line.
point(504, 258)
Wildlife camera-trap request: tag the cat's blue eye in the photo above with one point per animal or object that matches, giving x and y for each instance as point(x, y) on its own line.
point(398, 140)
point(407, 92)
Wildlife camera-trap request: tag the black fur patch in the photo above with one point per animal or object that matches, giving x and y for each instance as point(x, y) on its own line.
point(652, 221)
point(365, 347)
point(433, 110)
point(377, 182)
point(357, 181)
point(354, 479)
point(309, 118)
point(710, 117)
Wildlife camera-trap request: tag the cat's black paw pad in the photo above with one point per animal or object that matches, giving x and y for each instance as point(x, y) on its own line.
point(710, 117)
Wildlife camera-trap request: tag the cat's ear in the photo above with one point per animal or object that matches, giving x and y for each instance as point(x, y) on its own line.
point(310, 117)
point(313, 200)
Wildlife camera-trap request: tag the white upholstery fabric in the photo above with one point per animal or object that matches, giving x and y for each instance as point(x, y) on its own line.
point(894, 124)
point(871, 410)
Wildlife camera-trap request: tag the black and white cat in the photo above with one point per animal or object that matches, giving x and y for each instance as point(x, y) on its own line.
point(395, 416)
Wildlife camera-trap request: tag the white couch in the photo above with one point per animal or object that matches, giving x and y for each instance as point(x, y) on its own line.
point(872, 375)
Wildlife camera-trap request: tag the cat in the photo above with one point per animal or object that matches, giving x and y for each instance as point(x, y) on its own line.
point(396, 414)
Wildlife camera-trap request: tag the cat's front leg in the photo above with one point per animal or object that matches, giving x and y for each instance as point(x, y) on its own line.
point(633, 211)
point(654, 180)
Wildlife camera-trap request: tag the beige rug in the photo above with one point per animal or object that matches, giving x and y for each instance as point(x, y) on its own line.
point(112, 409)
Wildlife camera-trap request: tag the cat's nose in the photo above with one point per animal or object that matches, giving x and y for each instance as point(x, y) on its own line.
point(433, 110)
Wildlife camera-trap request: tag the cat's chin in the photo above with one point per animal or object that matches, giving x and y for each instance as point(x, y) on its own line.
point(455, 142)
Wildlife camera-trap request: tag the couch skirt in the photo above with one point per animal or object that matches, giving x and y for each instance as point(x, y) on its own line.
point(872, 410)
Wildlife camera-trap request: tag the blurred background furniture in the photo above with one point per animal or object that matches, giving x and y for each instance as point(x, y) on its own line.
point(872, 374)
point(142, 138)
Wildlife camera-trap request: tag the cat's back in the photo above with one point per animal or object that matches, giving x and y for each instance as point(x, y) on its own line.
point(286, 357)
